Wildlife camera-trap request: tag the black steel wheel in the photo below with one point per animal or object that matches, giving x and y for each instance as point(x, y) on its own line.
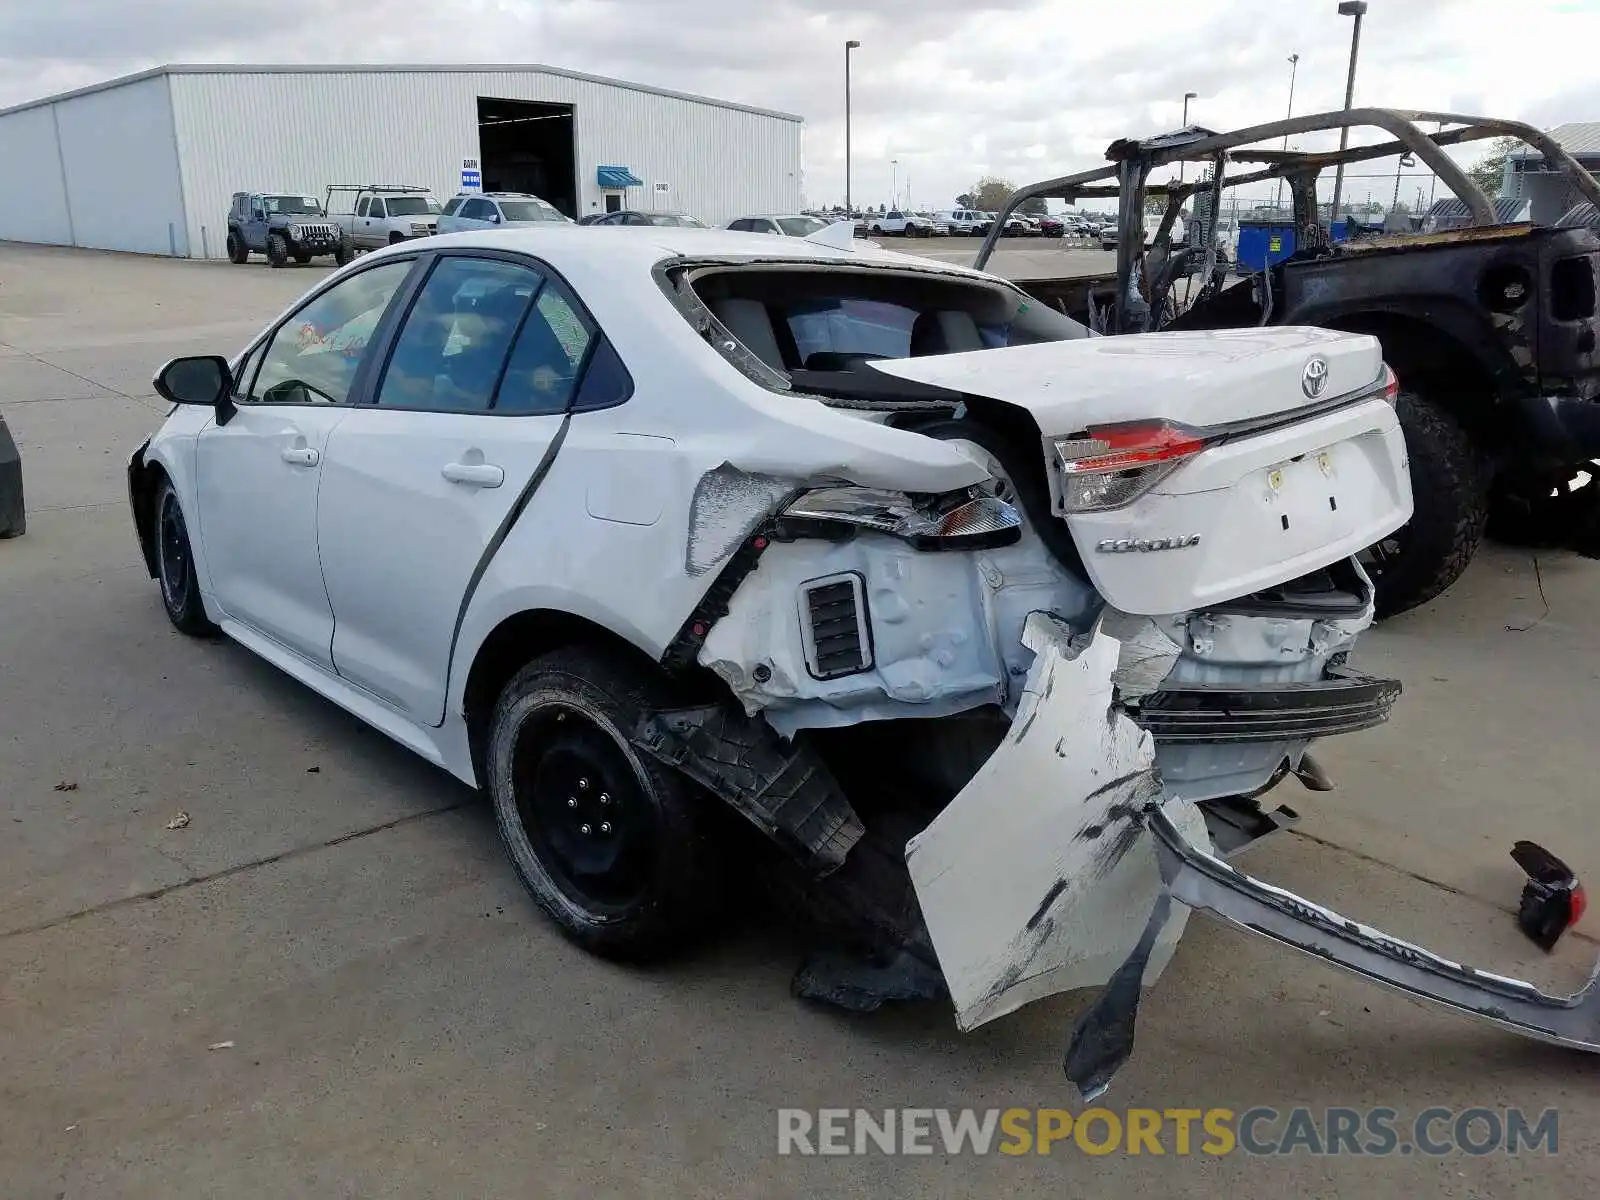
point(609, 842)
point(175, 571)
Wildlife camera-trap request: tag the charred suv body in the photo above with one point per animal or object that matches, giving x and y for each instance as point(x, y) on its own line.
point(995, 630)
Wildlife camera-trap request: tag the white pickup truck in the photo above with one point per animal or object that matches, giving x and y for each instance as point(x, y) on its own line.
point(905, 224)
point(383, 214)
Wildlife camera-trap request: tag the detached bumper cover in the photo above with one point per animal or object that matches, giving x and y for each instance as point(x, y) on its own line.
point(1342, 703)
point(1103, 1039)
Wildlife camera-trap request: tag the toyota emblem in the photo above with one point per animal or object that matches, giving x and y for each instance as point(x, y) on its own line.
point(1314, 378)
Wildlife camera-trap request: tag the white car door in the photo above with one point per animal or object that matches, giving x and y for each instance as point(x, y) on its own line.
point(257, 473)
point(419, 485)
point(374, 226)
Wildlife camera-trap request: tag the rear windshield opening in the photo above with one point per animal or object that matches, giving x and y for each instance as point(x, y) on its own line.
point(813, 322)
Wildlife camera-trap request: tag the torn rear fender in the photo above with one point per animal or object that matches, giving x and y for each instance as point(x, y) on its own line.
point(1038, 877)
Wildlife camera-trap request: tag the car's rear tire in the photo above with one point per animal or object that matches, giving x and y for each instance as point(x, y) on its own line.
point(1450, 496)
point(238, 252)
point(612, 844)
point(175, 571)
point(277, 249)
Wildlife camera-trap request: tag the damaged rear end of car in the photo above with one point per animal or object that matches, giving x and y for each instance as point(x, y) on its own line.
point(1004, 736)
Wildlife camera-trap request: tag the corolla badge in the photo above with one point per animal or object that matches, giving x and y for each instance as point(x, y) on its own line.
point(1314, 378)
point(1145, 545)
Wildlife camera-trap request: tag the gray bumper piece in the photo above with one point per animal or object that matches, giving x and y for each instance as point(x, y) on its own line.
point(1103, 1038)
point(13, 516)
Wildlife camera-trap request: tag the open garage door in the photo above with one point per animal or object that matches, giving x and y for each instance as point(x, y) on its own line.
point(527, 146)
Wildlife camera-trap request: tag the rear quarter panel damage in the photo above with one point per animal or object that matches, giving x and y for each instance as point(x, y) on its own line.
point(1039, 876)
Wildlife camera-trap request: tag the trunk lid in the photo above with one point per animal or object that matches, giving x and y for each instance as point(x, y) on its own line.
point(1201, 377)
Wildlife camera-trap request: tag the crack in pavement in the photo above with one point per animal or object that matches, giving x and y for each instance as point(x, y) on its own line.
point(227, 872)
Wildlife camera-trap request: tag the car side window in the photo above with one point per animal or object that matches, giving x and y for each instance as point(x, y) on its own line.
point(247, 370)
point(476, 210)
point(361, 207)
point(453, 346)
point(450, 209)
point(376, 209)
point(545, 364)
point(258, 209)
point(314, 355)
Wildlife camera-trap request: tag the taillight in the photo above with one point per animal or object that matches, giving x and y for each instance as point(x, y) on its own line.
point(1117, 464)
point(1391, 385)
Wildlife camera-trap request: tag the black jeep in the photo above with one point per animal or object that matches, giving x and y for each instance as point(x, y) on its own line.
point(283, 226)
point(1491, 327)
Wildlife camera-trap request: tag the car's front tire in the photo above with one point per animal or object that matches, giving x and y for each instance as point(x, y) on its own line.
point(609, 842)
point(343, 253)
point(396, 238)
point(175, 570)
point(277, 249)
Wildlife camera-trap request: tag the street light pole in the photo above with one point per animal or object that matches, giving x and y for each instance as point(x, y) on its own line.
point(1187, 96)
point(1294, 66)
point(848, 46)
point(894, 183)
point(1356, 9)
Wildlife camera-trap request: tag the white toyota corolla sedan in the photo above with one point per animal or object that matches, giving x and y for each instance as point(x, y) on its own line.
point(983, 637)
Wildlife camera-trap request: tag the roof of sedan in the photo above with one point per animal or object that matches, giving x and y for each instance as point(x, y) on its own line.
point(643, 246)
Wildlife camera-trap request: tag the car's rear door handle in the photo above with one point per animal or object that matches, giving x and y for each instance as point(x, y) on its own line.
point(300, 456)
point(481, 474)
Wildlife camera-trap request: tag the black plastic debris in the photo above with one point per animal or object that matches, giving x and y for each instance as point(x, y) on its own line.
point(1552, 900)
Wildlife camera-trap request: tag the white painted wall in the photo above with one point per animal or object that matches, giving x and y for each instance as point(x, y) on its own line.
point(300, 131)
point(33, 199)
point(122, 169)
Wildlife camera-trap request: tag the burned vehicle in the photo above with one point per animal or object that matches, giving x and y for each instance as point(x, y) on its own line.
point(1491, 328)
point(718, 558)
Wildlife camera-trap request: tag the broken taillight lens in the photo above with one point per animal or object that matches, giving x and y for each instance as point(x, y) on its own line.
point(1115, 465)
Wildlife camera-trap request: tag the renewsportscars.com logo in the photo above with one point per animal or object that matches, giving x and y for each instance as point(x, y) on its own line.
point(1262, 1131)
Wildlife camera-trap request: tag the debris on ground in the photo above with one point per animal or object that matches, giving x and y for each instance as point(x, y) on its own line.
point(1552, 900)
point(220, 1046)
point(67, 785)
point(179, 821)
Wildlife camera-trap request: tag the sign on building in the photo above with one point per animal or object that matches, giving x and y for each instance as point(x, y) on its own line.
point(471, 175)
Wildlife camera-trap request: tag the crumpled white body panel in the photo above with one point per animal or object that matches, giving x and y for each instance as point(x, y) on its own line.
point(1039, 876)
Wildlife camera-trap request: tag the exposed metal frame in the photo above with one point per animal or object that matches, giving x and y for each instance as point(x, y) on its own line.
point(1132, 160)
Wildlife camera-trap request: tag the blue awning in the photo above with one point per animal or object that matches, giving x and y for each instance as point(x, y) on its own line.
point(618, 177)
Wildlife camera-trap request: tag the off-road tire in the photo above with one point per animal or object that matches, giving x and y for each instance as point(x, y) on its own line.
point(175, 570)
point(343, 253)
point(277, 249)
point(579, 705)
point(1450, 496)
point(238, 252)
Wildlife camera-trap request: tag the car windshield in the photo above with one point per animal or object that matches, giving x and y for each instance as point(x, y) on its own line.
point(530, 210)
point(293, 205)
point(409, 206)
point(680, 220)
point(800, 226)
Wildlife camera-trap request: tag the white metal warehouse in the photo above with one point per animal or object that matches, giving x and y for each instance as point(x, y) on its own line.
point(149, 162)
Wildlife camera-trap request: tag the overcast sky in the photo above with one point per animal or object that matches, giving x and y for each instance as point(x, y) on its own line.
point(952, 89)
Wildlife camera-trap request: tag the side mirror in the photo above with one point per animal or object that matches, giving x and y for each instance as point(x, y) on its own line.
point(201, 379)
point(495, 219)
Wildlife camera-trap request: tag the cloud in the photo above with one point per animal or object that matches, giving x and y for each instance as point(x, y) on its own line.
point(949, 88)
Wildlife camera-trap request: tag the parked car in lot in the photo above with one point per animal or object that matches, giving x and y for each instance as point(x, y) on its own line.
point(283, 226)
point(674, 220)
point(904, 224)
point(1050, 226)
point(965, 222)
point(793, 225)
point(979, 636)
point(382, 215)
point(498, 210)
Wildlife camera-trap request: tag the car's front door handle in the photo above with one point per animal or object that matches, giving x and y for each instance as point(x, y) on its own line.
point(480, 474)
point(300, 456)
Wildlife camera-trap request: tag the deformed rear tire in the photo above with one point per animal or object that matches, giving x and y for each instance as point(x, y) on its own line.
point(1450, 491)
point(612, 844)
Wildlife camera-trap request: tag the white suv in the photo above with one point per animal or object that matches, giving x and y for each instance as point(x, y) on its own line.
point(498, 210)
